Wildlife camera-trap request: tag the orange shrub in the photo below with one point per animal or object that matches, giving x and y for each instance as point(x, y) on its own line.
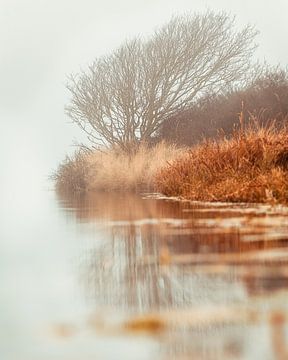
point(251, 166)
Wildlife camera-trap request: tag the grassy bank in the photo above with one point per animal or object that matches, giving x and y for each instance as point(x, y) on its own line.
point(114, 170)
point(251, 166)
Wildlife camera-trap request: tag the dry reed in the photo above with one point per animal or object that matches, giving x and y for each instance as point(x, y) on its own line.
point(113, 169)
point(252, 166)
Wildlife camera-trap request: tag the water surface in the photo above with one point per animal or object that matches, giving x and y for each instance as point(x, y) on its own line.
point(109, 276)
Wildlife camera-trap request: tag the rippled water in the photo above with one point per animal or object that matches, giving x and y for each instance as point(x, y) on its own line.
point(123, 276)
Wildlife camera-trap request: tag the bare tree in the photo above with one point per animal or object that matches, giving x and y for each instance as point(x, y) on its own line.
point(123, 98)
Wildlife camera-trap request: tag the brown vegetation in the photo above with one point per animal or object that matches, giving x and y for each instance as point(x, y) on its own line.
point(251, 166)
point(114, 169)
point(249, 163)
point(73, 173)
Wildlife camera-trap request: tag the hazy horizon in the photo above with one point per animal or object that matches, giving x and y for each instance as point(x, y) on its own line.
point(79, 273)
point(44, 41)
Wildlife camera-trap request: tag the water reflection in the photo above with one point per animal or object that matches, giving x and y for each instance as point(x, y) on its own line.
point(212, 276)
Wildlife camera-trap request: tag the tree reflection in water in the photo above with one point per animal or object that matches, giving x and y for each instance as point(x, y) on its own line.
point(169, 257)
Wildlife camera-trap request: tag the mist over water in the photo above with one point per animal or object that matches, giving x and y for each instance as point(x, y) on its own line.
point(80, 276)
point(56, 271)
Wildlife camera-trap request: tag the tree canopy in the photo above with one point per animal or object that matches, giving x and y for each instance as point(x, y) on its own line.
point(123, 98)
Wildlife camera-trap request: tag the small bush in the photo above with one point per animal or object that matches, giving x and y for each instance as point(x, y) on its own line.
point(72, 174)
point(251, 166)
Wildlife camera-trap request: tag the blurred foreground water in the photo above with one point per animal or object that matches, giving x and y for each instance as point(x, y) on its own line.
point(123, 276)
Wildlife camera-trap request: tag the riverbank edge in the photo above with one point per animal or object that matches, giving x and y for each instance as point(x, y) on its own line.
point(260, 208)
point(249, 167)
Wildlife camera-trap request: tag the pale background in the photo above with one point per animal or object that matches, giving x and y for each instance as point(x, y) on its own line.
point(43, 41)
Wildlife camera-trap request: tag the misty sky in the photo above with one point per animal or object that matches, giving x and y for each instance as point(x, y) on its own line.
point(42, 41)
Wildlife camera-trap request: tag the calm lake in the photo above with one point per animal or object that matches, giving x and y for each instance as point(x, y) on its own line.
point(124, 276)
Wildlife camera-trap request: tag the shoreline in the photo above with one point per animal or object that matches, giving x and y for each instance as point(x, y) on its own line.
point(249, 167)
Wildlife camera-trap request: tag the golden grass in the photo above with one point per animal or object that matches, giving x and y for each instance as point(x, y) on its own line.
point(114, 169)
point(73, 173)
point(251, 166)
